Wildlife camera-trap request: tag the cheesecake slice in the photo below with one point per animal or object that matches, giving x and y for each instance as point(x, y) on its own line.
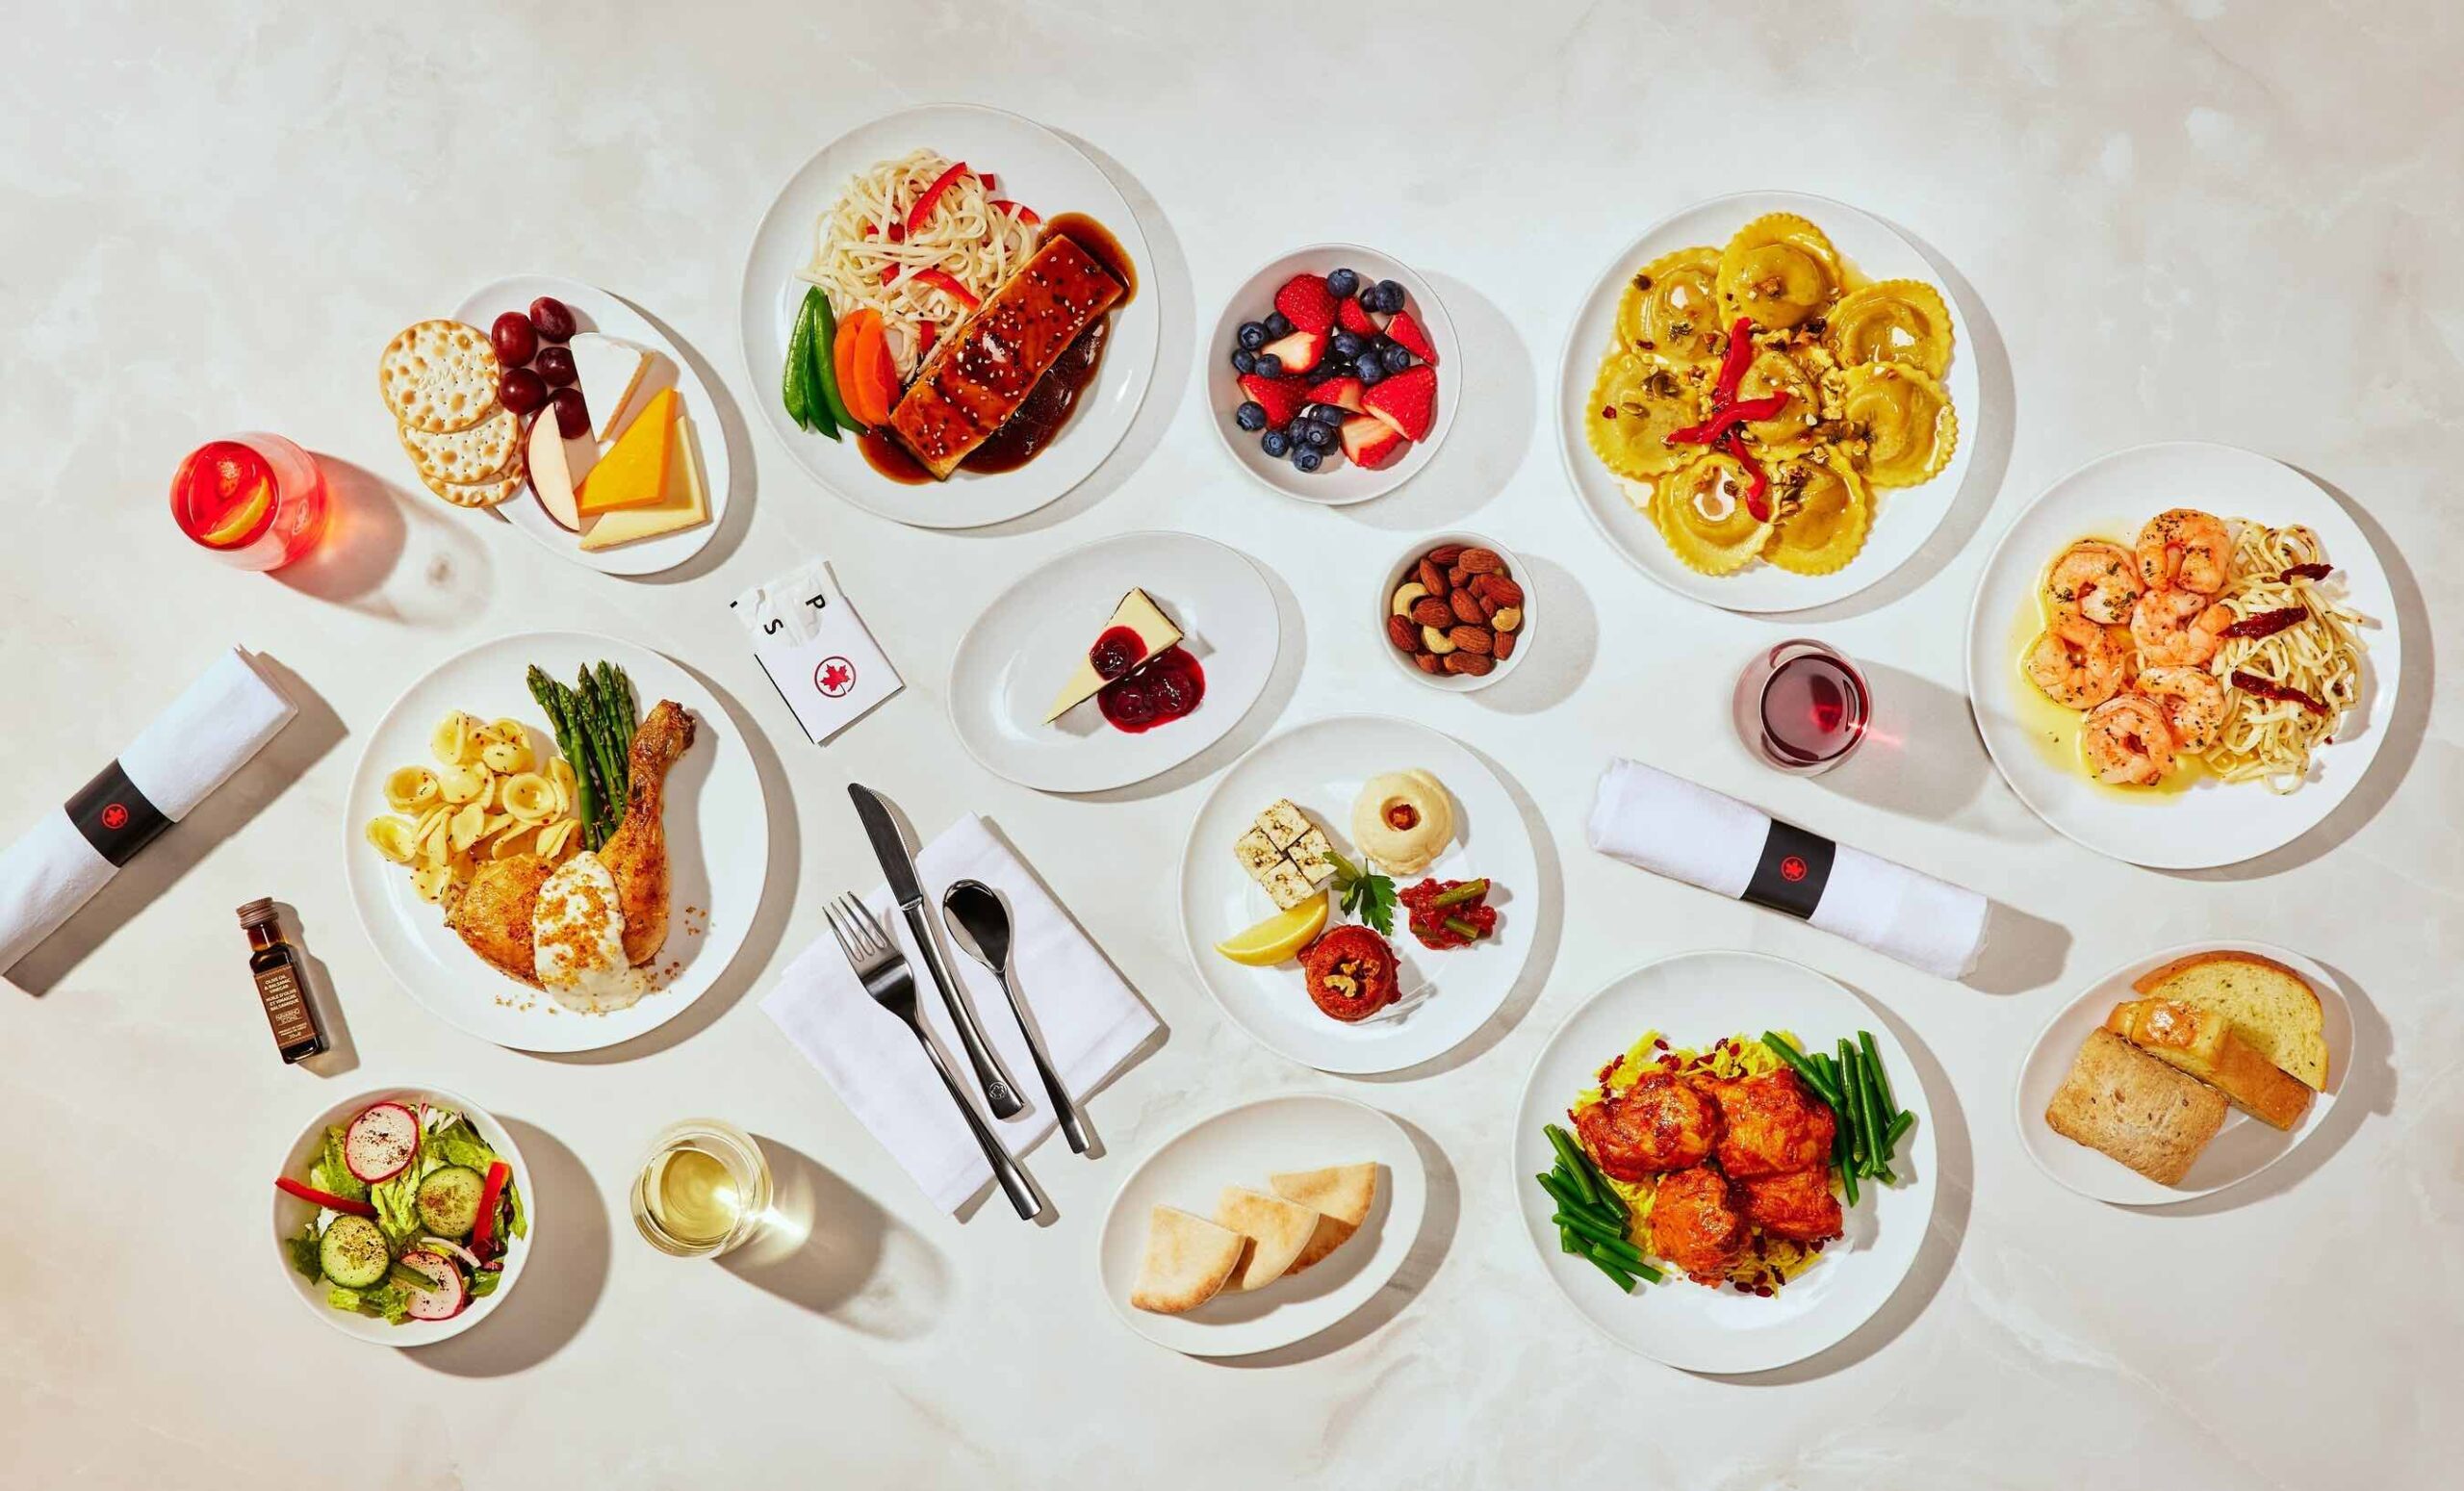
point(1137, 614)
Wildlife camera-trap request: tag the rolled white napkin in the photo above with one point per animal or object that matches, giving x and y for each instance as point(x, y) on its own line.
point(1676, 828)
point(225, 717)
point(1090, 1019)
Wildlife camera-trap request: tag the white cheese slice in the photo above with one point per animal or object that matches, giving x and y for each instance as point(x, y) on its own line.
point(1140, 616)
point(609, 374)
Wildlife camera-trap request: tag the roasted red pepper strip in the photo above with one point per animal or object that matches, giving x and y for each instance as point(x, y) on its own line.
point(1757, 486)
point(943, 279)
point(2266, 624)
point(931, 333)
point(491, 1192)
point(2308, 572)
point(2252, 684)
point(1733, 363)
point(931, 197)
point(1710, 430)
point(316, 1197)
point(1019, 210)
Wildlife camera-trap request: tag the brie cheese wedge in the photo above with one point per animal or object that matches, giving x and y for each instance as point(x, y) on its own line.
point(1139, 614)
point(609, 374)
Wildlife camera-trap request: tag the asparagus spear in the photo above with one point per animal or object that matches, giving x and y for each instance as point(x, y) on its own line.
point(558, 702)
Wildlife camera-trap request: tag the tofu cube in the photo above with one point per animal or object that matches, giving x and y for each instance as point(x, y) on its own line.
point(1284, 823)
point(1257, 854)
point(1286, 886)
point(1309, 855)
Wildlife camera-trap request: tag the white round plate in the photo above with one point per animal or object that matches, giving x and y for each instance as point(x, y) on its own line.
point(1339, 483)
point(595, 310)
point(1241, 1146)
point(1694, 999)
point(2242, 1148)
point(1032, 636)
point(290, 1214)
point(1904, 516)
point(2210, 823)
point(1321, 767)
point(1036, 167)
point(718, 845)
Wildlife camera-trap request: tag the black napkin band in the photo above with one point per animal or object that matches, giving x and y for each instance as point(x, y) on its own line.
point(115, 817)
point(1793, 868)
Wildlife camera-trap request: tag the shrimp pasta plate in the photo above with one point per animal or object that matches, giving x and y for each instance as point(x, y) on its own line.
point(2183, 655)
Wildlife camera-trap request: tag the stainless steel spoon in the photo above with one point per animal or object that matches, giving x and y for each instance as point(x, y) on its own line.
point(979, 922)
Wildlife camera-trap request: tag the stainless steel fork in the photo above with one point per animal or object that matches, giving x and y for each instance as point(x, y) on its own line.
point(882, 968)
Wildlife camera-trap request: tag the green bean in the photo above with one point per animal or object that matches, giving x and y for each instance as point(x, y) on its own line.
point(1616, 1276)
point(1567, 1197)
point(1588, 1226)
point(1882, 1078)
point(1567, 1242)
point(1574, 1160)
point(1626, 1255)
point(1848, 1179)
point(1851, 1086)
point(1899, 1128)
point(1797, 1063)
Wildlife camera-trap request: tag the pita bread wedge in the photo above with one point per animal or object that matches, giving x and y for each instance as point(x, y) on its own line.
point(1276, 1230)
point(1342, 1195)
point(1188, 1259)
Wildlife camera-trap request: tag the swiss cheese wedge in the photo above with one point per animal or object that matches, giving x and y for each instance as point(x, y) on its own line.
point(634, 471)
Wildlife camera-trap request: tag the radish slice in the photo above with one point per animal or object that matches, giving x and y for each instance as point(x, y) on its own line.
point(380, 1142)
point(446, 1299)
point(452, 1246)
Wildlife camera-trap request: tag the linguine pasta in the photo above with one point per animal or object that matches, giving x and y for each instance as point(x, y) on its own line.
point(866, 258)
point(2267, 740)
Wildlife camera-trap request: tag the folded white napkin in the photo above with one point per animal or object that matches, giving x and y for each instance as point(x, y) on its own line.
point(1090, 1019)
point(1673, 827)
point(225, 717)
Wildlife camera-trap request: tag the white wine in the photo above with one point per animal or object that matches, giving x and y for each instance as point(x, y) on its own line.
point(693, 1197)
point(704, 1188)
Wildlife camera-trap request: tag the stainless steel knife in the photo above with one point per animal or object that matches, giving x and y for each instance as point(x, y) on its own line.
point(889, 847)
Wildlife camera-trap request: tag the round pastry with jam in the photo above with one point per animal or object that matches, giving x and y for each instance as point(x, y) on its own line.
point(1350, 972)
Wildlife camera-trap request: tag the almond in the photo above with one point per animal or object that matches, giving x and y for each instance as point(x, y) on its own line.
point(1456, 576)
point(1488, 608)
point(1436, 641)
point(1409, 593)
point(1471, 663)
point(1431, 612)
point(1507, 618)
point(1482, 562)
point(1400, 632)
point(1429, 663)
point(1445, 554)
point(1467, 608)
point(1500, 589)
point(1505, 646)
point(1434, 579)
point(1471, 639)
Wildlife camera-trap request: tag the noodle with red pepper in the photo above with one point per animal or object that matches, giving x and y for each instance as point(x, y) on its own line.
point(2270, 739)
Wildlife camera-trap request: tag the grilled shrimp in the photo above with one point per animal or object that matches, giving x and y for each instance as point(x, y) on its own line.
point(2094, 580)
point(2077, 663)
point(2178, 628)
point(2186, 549)
point(2192, 702)
point(2127, 742)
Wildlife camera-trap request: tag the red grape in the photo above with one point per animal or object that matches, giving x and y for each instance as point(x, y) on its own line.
point(555, 364)
point(551, 319)
point(514, 340)
point(519, 390)
point(573, 416)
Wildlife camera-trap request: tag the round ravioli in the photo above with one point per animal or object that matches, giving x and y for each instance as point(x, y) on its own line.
point(1701, 512)
point(1670, 309)
point(1907, 420)
point(1634, 407)
point(1823, 514)
point(1774, 371)
point(1780, 269)
point(1898, 320)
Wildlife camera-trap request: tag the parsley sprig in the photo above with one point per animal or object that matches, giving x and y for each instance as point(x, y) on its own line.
point(1364, 893)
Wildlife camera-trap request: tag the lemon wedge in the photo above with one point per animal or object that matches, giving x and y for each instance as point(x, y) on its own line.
point(1278, 937)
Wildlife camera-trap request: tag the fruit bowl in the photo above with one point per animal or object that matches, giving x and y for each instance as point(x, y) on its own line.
point(1422, 400)
point(1403, 573)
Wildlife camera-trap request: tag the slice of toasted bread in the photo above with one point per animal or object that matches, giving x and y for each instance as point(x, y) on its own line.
point(2267, 1004)
point(2123, 1102)
point(2202, 1043)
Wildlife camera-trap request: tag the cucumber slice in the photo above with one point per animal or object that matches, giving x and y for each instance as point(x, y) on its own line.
point(448, 1200)
point(353, 1252)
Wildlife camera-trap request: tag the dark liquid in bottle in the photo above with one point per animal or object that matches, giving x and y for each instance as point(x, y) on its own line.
point(1813, 710)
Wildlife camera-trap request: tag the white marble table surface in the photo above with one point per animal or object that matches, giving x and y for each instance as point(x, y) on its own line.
point(2226, 220)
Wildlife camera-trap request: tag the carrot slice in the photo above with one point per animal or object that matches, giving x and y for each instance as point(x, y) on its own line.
point(876, 373)
point(842, 361)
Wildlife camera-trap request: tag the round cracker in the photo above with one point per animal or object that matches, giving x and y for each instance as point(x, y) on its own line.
point(465, 456)
point(438, 375)
point(480, 494)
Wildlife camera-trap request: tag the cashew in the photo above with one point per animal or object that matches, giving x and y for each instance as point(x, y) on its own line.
point(1435, 639)
point(1411, 591)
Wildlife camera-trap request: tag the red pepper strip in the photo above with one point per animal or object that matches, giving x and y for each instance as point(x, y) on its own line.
point(1733, 363)
point(931, 334)
point(2308, 572)
point(941, 279)
point(1757, 486)
point(2252, 684)
point(992, 181)
point(316, 1197)
point(932, 196)
point(491, 1192)
point(2266, 624)
point(1710, 431)
point(1019, 210)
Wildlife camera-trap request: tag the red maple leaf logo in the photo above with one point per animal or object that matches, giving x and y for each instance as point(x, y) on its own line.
point(835, 677)
point(116, 816)
point(1792, 868)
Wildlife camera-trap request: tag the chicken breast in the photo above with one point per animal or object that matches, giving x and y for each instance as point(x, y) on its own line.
point(1798, 1205)
point(1662, 1122)
point(1696, 1224)
point(1771, 1125)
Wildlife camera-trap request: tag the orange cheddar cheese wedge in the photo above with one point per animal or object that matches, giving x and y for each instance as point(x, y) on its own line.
point(633, 472)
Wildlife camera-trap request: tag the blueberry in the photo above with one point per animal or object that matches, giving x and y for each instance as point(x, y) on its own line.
point(1267, 366)
point(1253, 335)
point(1251, 416)
point(1244, 361)
point(1278, 325)
point(1368, 370)
point(1342, 283)
point(1307, 459)
point(1346, 344)
point(1389, 297)
point(1395, 359)
point(1317, 436)
point(1332, 414)
point(1275, 444)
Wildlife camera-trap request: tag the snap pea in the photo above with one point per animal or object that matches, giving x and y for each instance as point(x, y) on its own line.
point(795, 375)
point(824, 368)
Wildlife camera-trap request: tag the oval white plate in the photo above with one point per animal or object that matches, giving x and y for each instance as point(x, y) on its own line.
point(1241, 1146)
point(1341, 483)
point(1693, 999)
point(718, 845)
point(1028, 642)
point(290, 1214)
point(595, 310)
point(1321, 767)
point(1904, 516)
point(2212, 823)
point(2242, 1148)
point(1036, 167)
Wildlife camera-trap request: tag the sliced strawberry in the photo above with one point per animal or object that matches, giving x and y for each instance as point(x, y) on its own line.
point(1369, 441)
point(1306, 302)
point(1344, 392)
point(1281, 398)
point(1354, 317)
point(1408, 335)
point(1407, 401)
point(1299, 351)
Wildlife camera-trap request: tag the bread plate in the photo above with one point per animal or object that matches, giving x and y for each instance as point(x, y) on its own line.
point(2242, 1148)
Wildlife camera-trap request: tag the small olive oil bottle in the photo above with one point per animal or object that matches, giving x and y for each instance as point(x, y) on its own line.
point(275, 964)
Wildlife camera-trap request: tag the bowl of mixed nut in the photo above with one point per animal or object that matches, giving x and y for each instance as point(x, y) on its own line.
point(1453, 611)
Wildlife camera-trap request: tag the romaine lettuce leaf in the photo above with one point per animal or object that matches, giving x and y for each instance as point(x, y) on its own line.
point(520, 1213)
point(332, 1175)
point(461, 1145)
point(396, 1204)
point(304, 1254)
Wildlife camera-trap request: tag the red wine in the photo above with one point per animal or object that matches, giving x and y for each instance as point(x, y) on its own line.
point(1813, 711)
